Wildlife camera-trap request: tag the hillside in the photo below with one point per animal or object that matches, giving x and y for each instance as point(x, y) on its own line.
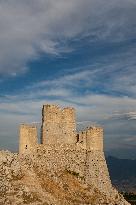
point(24, 181)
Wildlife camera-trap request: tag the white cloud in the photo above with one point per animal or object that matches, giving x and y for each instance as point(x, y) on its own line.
point(111, 112)
point(124, 115)
point(91, 109)
point(28, 28)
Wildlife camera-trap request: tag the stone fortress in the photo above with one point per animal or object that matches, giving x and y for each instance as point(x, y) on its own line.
point(59, 127)
point(63, 148)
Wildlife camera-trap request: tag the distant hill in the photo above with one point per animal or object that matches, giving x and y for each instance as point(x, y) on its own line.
point(122, 173)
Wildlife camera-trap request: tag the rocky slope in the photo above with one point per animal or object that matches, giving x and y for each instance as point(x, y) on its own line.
point(24, 181)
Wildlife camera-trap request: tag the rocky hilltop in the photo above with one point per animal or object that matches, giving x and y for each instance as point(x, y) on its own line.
point(66, 168)
point(25, 180)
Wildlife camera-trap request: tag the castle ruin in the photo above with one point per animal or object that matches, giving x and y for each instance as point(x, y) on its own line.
point(63, 148)
point(59, 127)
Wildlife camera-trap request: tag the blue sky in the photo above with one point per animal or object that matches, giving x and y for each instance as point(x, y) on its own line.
point(73, 53)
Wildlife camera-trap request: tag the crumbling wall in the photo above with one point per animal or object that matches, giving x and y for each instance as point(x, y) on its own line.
point(63, 149)
point(58, 125)
point(51, 116)
point(68, 125)
point(91, 138)
point(97, 171)
point(89, 166)
point(28, 138)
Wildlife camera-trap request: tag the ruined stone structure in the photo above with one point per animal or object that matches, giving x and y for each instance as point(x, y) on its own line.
point(66, 167)
point(28, 138)
point(62, 148)
point(91, 138)
point(58, 125)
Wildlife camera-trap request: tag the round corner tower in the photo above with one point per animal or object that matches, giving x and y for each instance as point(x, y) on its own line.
point(94, 138)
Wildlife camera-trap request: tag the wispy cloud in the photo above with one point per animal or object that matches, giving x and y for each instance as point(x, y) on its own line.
point(110, 111)
point(29, 29)
point(123, 115)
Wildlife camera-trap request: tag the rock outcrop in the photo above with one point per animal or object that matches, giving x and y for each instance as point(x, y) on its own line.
point(26, 179)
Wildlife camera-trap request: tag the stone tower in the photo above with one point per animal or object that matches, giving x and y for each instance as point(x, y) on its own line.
point(68, 125)
point(91, 138)
point(58, 125)
point(94, 139)
point(28, 138)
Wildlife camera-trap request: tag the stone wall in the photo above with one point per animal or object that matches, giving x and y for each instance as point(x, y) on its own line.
point(62, 149)
point(28, 138)
point(58, 125)
point(89, 166)
point(91, 138)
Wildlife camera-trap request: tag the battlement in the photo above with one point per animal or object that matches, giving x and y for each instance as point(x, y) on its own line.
point(95, 128)
point(69, 109)
point(28, 126)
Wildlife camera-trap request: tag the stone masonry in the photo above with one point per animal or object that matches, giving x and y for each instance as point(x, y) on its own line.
point(91, 138)
point(28, 138)
point(58, 125)
point(62, 148)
